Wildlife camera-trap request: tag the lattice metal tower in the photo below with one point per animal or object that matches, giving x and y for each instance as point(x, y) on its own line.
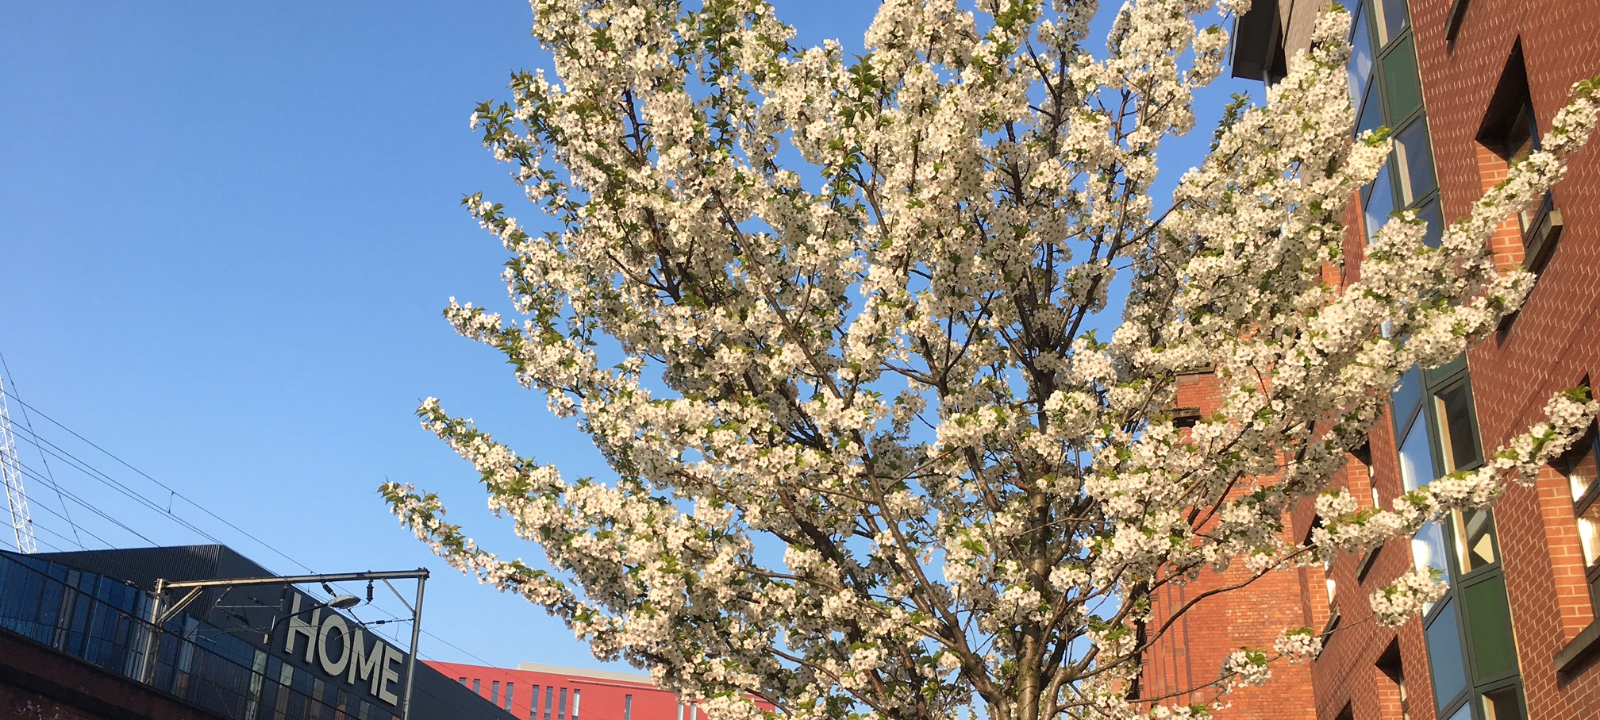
point(11, 474)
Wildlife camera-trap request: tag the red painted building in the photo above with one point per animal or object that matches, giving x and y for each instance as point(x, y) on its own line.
point(547, 692)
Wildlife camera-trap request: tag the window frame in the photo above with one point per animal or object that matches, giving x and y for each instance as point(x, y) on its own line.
point(1376, 90)
point(1460, 580)
point(1582, 504)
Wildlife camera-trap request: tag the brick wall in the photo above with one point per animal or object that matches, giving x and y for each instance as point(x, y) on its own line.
point(1554, 342)
point(1192, 651)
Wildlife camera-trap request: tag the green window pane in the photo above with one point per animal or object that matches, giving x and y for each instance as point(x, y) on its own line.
point(1445, 657)
point(1489, 626)
point(1400, 83)
point(1416, 161)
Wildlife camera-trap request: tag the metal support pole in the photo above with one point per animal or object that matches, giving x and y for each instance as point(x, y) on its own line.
point(152, 646)
point(416, 632)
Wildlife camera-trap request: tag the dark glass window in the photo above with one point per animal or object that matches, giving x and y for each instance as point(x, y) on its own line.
point(477, 686)
point(533, 705)
point(1406, 398)
point(561, 710)
point(1360, 66)
point(1431, 214)
point(1380, 201)
point(1458, 434)
point(1391, 20)
point(510, 688)
point(1503, 704)
point(627, 707)
point(1520, 140)
point(1445, 657)
point(494, 692)
point(1371, 117)
point(1416, 458)
point(1416, 162)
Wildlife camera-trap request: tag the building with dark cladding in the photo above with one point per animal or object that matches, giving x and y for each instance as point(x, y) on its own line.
point(76, 640)
point(1465, 87)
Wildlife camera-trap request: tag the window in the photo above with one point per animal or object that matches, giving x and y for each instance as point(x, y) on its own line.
point(1387, 91)
point(533, 705)
point(577, 697)
point(627, 707)
point(477, 686)
point(549, 698)
point(463, 682)
point(561, 710)
point(1458, 435)
point(1511, 132)
point(1471, 651)
point(1503, 704)
point(1583, 476)
point(1445, 657)
point(1394, 702)
point(510, 688)
point(494, 692)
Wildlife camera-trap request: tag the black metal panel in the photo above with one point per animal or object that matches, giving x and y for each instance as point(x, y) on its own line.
point(247, 613)
point(1254, 36)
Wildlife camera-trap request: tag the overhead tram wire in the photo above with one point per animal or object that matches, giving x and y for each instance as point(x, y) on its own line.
point(85, 531)
point(30, 472)
point(163, 486)
point(27, 420)
point(101, 476)
point(130, 493)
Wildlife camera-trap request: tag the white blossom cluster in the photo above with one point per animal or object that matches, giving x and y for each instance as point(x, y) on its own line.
point(844, 307)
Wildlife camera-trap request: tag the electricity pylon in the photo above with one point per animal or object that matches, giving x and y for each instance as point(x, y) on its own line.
point(11, 474)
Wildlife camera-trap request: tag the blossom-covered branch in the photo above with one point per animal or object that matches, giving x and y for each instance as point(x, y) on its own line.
point(832, 324)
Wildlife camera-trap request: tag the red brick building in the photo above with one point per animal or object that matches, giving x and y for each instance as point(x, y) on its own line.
point(1464, 86)
point(547, 692)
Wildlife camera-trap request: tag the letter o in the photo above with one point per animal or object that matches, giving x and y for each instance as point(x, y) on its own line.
point(331, 622)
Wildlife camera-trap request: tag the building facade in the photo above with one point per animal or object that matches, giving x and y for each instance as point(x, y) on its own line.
point(547, 692)
point(77, 640)
point(1465, 88)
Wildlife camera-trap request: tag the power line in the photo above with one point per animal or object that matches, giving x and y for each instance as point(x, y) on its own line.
point(27, 420)
point(30, 472)
point(86, 531)
point(163, 486)
point(95, 474)
point(83, 466)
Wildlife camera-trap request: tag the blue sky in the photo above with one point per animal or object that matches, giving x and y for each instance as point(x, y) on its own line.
point(226, 233)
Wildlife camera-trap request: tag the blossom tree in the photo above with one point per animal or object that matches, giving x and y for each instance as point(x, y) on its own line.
point(830, 321)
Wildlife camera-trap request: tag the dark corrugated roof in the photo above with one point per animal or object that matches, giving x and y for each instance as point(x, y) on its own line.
point(142, 566)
